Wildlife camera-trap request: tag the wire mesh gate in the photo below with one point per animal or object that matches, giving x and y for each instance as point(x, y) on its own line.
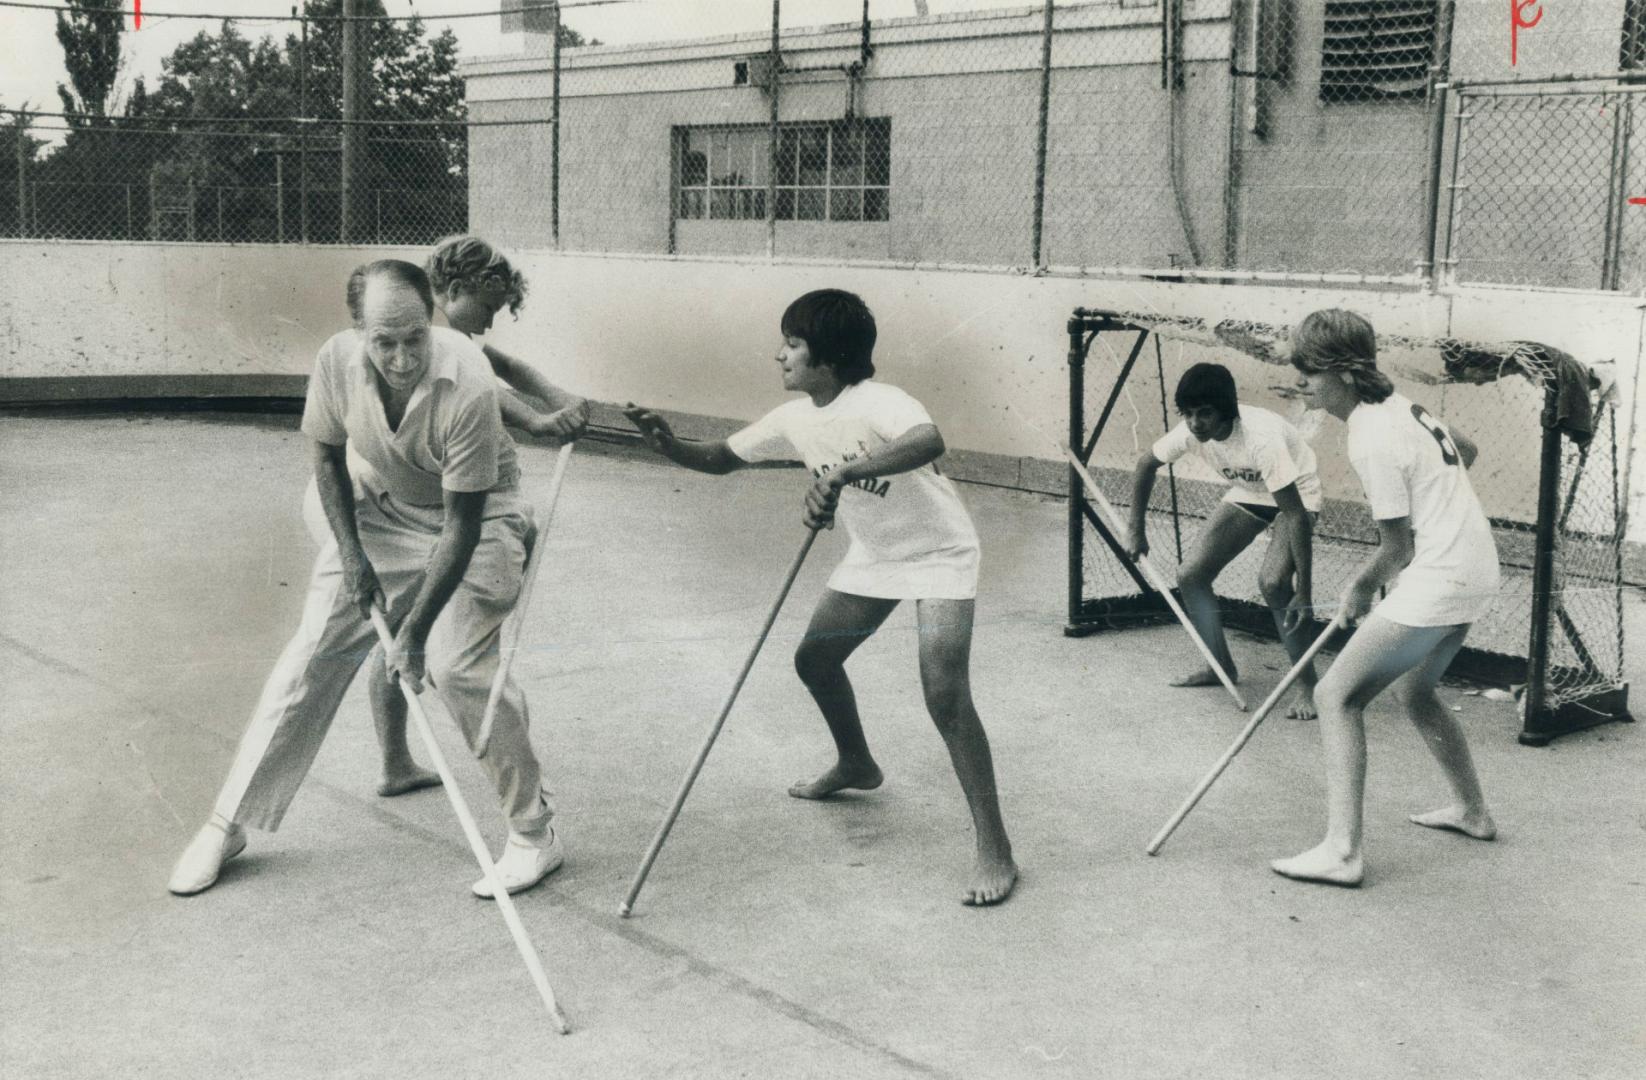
point(1540, 186)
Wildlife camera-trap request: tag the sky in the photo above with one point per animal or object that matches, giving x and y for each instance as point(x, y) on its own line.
point(31, 61)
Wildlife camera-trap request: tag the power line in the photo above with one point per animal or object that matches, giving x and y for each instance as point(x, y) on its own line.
point(237, 17)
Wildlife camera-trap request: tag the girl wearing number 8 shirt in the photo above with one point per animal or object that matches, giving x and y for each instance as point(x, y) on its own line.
point(1433, 536)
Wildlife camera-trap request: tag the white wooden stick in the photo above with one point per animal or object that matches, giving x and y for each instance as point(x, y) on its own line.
point(1154, 577)
point(505, 904)
point(627, 906)
point(534, 559)
point(1263, 711)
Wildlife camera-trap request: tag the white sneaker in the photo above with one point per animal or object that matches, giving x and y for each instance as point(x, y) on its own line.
point(523, 864)
point(197, 868)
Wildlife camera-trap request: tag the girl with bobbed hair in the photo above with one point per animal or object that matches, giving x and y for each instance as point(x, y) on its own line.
point(1435, 545)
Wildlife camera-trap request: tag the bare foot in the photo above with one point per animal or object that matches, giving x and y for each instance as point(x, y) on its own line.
point(992, 881)
point(840, 778)
point(1304, 707)
point(1322, 863)
point(1478, 824)
point(1205, 677)
point(404, 781)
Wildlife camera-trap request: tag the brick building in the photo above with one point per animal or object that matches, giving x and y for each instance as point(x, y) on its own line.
point(1255, 134)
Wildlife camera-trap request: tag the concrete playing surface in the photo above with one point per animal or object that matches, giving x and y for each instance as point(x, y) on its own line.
point(153, 566)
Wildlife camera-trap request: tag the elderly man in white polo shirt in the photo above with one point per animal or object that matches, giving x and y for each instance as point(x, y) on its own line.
point(432, 525)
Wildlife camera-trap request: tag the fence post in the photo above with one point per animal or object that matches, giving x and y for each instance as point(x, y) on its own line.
point(1446, 273)
point(1612, 249)
point(219, 213)
point(1431, 191)
point(1040, 136)
point(554, 131)
point(378, 232)
point(302, 126)
point(771, 141)
point(22, 176)
point(279, 196)
point(128, 212)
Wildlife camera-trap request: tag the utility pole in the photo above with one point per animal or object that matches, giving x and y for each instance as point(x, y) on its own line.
point(554, 132)
point(356, 58)
point(302, 126)
point(22, 176)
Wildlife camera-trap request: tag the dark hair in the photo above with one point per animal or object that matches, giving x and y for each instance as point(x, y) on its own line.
point(838, 328)
point(1338, 340)
point(398, 271)
point(1208, 384)
point(478, 267)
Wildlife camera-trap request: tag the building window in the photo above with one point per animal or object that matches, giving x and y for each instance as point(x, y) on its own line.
point(1376, 50)
point(837, 171)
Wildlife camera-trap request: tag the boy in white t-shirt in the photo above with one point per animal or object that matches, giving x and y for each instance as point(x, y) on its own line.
point(873, 451)
point(1271, 472)
point(1434, 535)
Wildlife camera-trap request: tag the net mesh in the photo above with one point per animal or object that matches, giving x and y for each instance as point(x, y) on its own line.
point(1476, 386)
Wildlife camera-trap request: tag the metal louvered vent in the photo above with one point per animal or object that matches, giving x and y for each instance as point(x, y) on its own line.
point(1632, 56)
point(1376, 49)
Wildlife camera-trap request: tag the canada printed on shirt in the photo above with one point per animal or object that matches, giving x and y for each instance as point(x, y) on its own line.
point(903, 518)
point(872, 485)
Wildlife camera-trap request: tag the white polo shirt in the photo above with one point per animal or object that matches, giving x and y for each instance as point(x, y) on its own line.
point(450, 439)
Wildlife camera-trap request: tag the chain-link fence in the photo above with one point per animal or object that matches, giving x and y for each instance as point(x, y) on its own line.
point(338, 124)
point(1356, 139)
point(1542, 181)
point(1212, 137)
point(1555, 624)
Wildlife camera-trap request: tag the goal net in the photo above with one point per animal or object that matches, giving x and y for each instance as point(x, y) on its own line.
point(1547, 476)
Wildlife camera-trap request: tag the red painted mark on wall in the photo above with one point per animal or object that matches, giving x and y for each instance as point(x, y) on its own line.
point(1517, 23)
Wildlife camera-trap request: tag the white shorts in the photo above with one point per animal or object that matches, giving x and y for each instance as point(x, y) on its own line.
point(1425, 600)
point(946, 574)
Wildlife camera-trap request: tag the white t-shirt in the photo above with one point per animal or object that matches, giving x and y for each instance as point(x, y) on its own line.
point(1262, 454)
point(911, 537)
point(1410, 468)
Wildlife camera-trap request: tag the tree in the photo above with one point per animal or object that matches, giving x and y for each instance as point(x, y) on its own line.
point(571, 39)
point(229, 78)
point(90, 35)
point(18, 148)
point(223, 114)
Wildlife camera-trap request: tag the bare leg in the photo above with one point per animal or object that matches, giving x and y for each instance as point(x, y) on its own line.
point(1379, 653)
point(401, 773)
point(1445, 739)
point(945, 676)
point(1229, 532)
point(839, 625)
point(1276, 581)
